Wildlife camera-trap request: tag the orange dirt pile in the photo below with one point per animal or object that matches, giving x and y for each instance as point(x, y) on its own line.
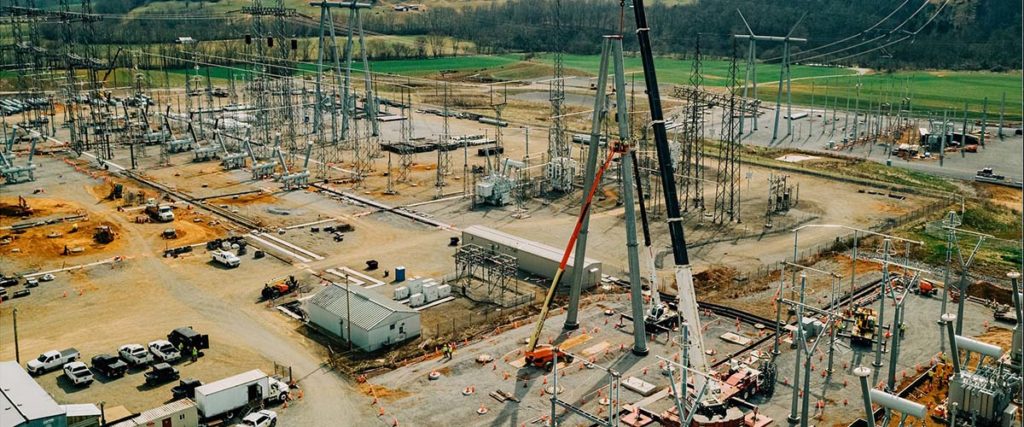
point(382, 392)
point(36, 244)
point(40, 207)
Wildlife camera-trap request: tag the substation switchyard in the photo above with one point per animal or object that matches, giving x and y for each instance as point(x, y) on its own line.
point(206, 231)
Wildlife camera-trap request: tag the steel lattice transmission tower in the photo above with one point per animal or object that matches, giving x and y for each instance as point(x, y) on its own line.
point(727, 191)
point(692, 162)
point(444, 157)
point(325, 102)
point(561, 168)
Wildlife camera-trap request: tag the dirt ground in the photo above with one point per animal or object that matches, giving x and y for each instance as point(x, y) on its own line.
point(141, 298)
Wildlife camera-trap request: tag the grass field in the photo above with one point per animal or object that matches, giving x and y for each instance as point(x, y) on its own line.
point(931, 91)
point(677, 71)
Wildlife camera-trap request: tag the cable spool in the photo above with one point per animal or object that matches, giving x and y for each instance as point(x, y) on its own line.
point(434, 375)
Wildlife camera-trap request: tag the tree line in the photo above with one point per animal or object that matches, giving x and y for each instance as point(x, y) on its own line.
point(966, 34)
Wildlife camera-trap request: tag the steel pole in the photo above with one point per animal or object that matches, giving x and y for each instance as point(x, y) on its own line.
point(879, 337)
point(794, 417)
point(579, 257)
point(17, 349)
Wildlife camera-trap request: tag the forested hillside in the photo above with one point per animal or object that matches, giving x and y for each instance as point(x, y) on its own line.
point(960, 34)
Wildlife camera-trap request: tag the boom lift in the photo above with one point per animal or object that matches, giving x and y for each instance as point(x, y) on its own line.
point(543, 356)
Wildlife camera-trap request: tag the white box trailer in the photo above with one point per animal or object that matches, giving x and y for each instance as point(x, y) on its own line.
point(225, 397)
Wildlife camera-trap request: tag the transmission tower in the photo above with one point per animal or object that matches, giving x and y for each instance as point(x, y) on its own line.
point(785, 75)
point(444, 157)
point(326, 146)
point(560, 169)
point(363, 150)
point(692, 162)
point(405, 149)
point(727, 188)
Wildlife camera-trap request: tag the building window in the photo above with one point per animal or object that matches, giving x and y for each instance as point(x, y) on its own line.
point(392, 326)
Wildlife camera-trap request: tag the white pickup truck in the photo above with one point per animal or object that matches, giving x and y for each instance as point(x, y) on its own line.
point(51, 360)
point(226, 258)
point(135, 354)
point(78, 373)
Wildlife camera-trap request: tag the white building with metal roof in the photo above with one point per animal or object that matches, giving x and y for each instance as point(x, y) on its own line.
point(23, 403)
point(376, 320)
point(534, 258)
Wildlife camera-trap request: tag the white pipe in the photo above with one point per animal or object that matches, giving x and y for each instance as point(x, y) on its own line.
point(897, 403)
point(976, 346)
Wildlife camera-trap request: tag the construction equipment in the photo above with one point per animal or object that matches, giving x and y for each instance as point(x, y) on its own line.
point(864, 326)
point(279, 287)
point(925, 288)
point(543, 356)
point(103, 234)
point(687, 299)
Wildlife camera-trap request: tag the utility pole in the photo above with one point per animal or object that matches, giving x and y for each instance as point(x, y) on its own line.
point(1002, 113)
point(984, 120)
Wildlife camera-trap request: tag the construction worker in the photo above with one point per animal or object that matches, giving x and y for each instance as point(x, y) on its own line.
point(195, 354)
point(447, 350)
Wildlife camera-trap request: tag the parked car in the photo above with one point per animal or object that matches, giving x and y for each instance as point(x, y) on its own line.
point(135, 354)
point(31, 283)
point(185, 388)
point(262, 418)
point(78, 373)
point(188, 338)
point(225, 258)
point(47, 277)
point(109, 366)
point(164, 351)
point(51, 360)
point(161, 373)
point(8, 281)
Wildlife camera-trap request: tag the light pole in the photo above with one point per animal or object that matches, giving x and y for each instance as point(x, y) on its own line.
point(17, 352)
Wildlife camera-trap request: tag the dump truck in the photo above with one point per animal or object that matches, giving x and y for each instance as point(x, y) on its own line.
point(160, 212)
point(233, 395)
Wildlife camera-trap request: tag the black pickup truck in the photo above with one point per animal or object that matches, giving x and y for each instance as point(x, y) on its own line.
point(109, 366)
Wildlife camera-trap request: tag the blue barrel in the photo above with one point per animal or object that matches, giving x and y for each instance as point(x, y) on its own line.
point(399, 274)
